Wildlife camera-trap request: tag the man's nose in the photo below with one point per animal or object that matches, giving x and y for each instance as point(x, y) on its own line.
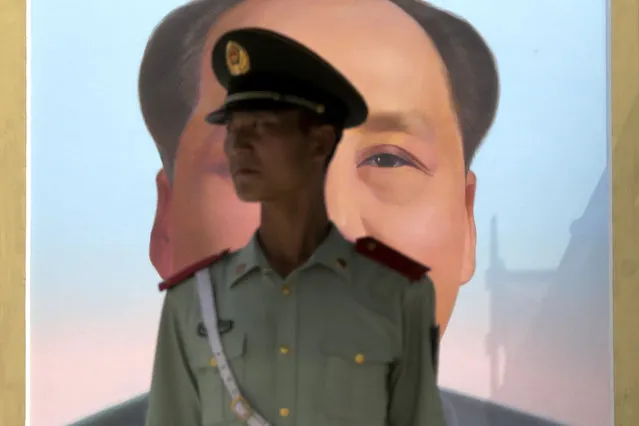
point(240, 139)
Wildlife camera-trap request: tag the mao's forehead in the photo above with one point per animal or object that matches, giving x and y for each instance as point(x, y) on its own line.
point(375, 44)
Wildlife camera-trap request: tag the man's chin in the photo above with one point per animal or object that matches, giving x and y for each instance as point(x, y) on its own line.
point(248, 188)
point(249, 195)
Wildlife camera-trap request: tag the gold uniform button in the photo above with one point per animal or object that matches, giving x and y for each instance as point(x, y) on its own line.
point(283, 350)
point(213, 362)
point(360, 358)
point(284, 412)
point(286, 290)
point(371, 246)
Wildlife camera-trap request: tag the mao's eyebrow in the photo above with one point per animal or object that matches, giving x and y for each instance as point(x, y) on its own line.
point(409, 122)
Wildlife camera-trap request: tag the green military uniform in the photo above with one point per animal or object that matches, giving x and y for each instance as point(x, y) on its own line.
point(347, 339)
point(343, 340)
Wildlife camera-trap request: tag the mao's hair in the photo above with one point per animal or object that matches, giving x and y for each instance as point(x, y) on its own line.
point(472, 71)
point(170, 71)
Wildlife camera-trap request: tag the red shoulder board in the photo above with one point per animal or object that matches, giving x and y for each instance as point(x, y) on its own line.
point(390, 257)
point(189, 271)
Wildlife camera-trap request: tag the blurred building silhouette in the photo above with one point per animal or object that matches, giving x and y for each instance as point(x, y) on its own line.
point(550, 330)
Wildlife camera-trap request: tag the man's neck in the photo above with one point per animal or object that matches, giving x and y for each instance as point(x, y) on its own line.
point(291, 230)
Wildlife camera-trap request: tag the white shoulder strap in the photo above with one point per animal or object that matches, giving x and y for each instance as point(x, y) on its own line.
point(239, 405)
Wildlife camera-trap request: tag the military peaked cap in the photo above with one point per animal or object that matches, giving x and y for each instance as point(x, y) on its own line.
point(264, 70)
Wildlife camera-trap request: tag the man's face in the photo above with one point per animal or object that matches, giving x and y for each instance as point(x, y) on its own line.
point(268, 154)
point(400, 177)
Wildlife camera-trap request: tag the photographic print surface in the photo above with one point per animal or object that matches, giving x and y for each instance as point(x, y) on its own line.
point(530, 330)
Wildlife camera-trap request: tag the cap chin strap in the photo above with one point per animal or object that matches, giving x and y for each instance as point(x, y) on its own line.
point(239, 405)
point(274, 96)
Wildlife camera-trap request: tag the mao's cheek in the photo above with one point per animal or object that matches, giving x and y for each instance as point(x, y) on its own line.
point(209, 220)
point(343, 210)
point(207, 216)
point(341, 184)
point(201, 150)
point(426, 233)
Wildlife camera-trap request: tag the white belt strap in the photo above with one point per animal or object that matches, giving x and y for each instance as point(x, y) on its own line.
point(239, 405)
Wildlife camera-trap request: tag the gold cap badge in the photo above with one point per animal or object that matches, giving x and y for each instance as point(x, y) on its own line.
point(237, 59)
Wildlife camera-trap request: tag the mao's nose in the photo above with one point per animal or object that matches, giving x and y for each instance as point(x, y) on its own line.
point(341, 193)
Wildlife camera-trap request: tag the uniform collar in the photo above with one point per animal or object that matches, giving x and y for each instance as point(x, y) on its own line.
point(248, 259)
point(335, 253)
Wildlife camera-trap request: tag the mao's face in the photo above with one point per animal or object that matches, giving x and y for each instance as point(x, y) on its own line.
point(400, 177)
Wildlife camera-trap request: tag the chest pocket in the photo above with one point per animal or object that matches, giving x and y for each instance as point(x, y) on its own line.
point(215, 401)
point(355, 387)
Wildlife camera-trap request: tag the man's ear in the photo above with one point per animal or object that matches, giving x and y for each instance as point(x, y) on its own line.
point(161, 247)
point(324, 138)
point(470, 245)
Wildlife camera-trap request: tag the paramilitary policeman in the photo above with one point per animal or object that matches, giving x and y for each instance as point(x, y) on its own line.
point(300, 326)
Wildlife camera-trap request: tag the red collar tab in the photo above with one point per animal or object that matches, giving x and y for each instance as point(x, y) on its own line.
point(189, 271)
point(380, 252)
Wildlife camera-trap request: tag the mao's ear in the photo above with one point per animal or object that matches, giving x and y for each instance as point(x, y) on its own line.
point(161, 247)
point(470, 244)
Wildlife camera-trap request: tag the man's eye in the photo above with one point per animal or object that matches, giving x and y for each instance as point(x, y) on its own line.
point(385, 160)
point(266, 124)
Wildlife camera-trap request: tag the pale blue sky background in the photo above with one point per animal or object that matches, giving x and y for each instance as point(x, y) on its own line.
point(94, 164)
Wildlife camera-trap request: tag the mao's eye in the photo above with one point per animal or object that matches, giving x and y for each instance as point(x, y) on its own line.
point(385, 160)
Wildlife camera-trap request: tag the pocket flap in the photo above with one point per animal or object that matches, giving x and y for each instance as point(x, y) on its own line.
point(234, 345)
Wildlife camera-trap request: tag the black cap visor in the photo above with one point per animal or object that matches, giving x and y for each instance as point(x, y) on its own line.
point(261, 101)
